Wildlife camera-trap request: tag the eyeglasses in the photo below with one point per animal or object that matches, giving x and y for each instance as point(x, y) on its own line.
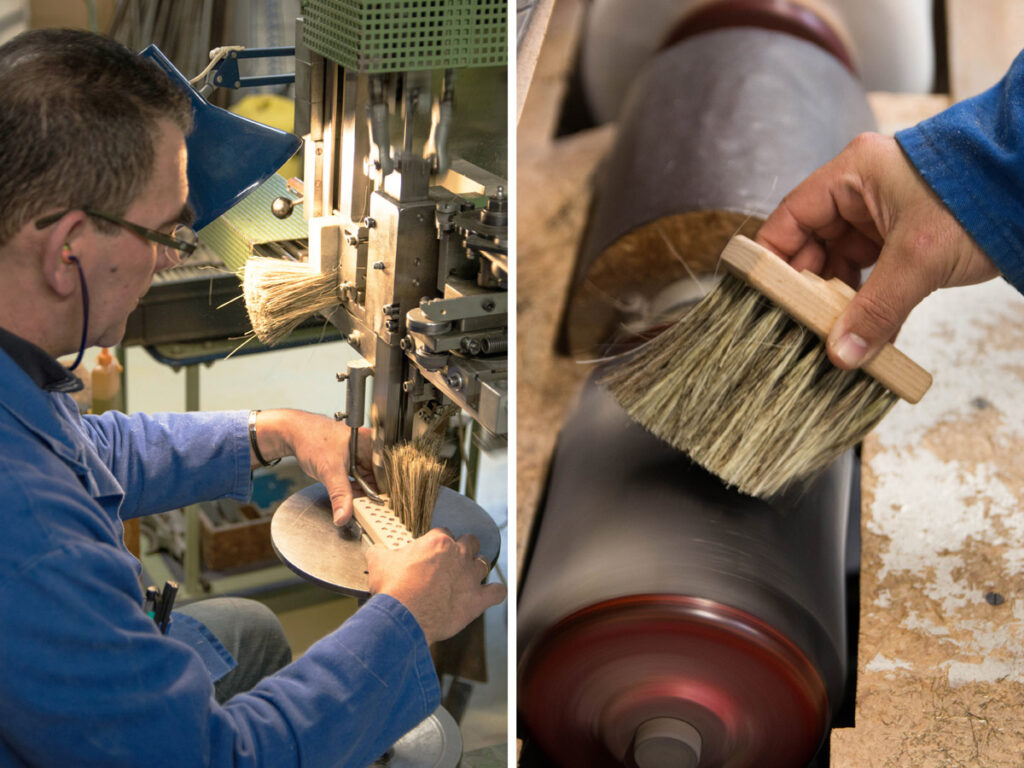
point(182, 239)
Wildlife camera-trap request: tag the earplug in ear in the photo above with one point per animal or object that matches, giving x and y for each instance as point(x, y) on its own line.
point(69, 258)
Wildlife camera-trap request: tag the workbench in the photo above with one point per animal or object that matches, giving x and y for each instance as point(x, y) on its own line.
point(941, 639)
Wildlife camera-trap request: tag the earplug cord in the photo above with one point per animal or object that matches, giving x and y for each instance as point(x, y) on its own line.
point(85, 309)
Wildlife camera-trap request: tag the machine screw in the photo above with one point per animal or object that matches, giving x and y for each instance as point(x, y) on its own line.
point(340, 415)
point(488, 305)
point(340, 377)
point(471, 345)
point(369, 222)
point(351, 240)
point(353, 338)
point(406, 343)
point(378, 265)
point(391, 324)
point(409, 384)
point(454, 380)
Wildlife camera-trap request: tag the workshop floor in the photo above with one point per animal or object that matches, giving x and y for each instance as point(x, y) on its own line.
point(305, 378)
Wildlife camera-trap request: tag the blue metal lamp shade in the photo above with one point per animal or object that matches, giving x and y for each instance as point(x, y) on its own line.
point(228, 155)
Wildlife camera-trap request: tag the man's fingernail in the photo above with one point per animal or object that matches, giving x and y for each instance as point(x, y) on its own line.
point(851, 349)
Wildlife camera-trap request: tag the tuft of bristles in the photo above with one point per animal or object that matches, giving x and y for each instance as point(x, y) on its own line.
point(280, 294)
point(414, 474)
point(747, 392)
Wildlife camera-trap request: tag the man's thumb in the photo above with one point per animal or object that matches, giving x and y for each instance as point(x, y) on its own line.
point(876, 313)
point(340, 493)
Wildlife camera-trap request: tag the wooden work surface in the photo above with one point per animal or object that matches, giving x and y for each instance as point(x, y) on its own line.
point(941, 651)
point(941, 669)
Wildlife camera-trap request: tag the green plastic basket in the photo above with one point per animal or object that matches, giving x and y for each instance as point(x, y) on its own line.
point(376, 36)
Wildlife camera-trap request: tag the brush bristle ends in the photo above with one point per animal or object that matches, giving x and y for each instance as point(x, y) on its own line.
point(816, 304)
point(747, 392)
point(280, 294)
point(414, 474)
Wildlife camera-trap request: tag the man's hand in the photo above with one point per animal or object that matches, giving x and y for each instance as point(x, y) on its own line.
point(437, 579)
point(869, 206)
point(321, 446)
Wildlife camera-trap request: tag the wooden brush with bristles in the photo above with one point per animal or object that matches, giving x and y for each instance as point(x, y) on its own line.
point(742, 383)
point(414, 473)
point(280, 294)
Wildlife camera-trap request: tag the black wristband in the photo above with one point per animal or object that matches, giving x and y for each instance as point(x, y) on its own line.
point(255, 446)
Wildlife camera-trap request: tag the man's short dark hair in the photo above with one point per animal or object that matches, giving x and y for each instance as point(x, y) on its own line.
point(78, 122)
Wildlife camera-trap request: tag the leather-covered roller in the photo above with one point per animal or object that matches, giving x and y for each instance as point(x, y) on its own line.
point(653, 591)
point(715, 130)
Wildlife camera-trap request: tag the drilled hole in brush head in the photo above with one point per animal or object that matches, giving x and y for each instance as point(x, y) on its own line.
point(743, 384)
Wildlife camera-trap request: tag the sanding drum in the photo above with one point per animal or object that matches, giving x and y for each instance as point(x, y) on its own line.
point(664, 613)
point(664, 619)
point(715, 130)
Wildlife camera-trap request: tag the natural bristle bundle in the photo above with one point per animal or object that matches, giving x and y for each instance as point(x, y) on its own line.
point(414, 475)
point(747, 392)
point(281, 294)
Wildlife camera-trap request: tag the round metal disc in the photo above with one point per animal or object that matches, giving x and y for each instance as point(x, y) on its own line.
point(434, 743)
point(307, 541)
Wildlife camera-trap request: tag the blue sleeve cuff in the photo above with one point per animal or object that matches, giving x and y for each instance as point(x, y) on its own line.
point(972, 156)
point(406, 624)
point(242, 489)
point(969, 199)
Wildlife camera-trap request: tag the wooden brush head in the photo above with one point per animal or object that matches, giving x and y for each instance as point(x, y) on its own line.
point(380, 523)
point(743, 384)
point(817, 304)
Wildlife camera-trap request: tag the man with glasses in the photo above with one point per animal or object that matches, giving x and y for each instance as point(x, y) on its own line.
point(93, 186)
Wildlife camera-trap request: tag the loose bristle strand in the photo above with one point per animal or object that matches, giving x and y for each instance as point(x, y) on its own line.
point(747, 392)
point(281, 294)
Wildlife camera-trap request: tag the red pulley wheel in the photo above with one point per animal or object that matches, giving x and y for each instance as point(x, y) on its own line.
point(660, 680)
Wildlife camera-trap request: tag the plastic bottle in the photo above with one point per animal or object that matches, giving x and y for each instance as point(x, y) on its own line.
point(106, 383)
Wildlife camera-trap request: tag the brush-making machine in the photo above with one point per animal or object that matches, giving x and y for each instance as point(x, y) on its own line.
point(402, 107)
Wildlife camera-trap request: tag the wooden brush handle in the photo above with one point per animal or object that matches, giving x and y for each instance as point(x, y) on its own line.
point(817, 304)
point(380, 524)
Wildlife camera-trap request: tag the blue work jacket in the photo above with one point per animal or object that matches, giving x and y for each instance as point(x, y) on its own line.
point(86, 679)
point(972, 156)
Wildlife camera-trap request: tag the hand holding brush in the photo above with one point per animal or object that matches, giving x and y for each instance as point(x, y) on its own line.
point(742, 387)
point(320, 445)
point(869, 206)
point(438, 579)
point(742, 382)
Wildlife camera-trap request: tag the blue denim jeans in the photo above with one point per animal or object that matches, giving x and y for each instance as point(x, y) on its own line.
point(250, 632)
